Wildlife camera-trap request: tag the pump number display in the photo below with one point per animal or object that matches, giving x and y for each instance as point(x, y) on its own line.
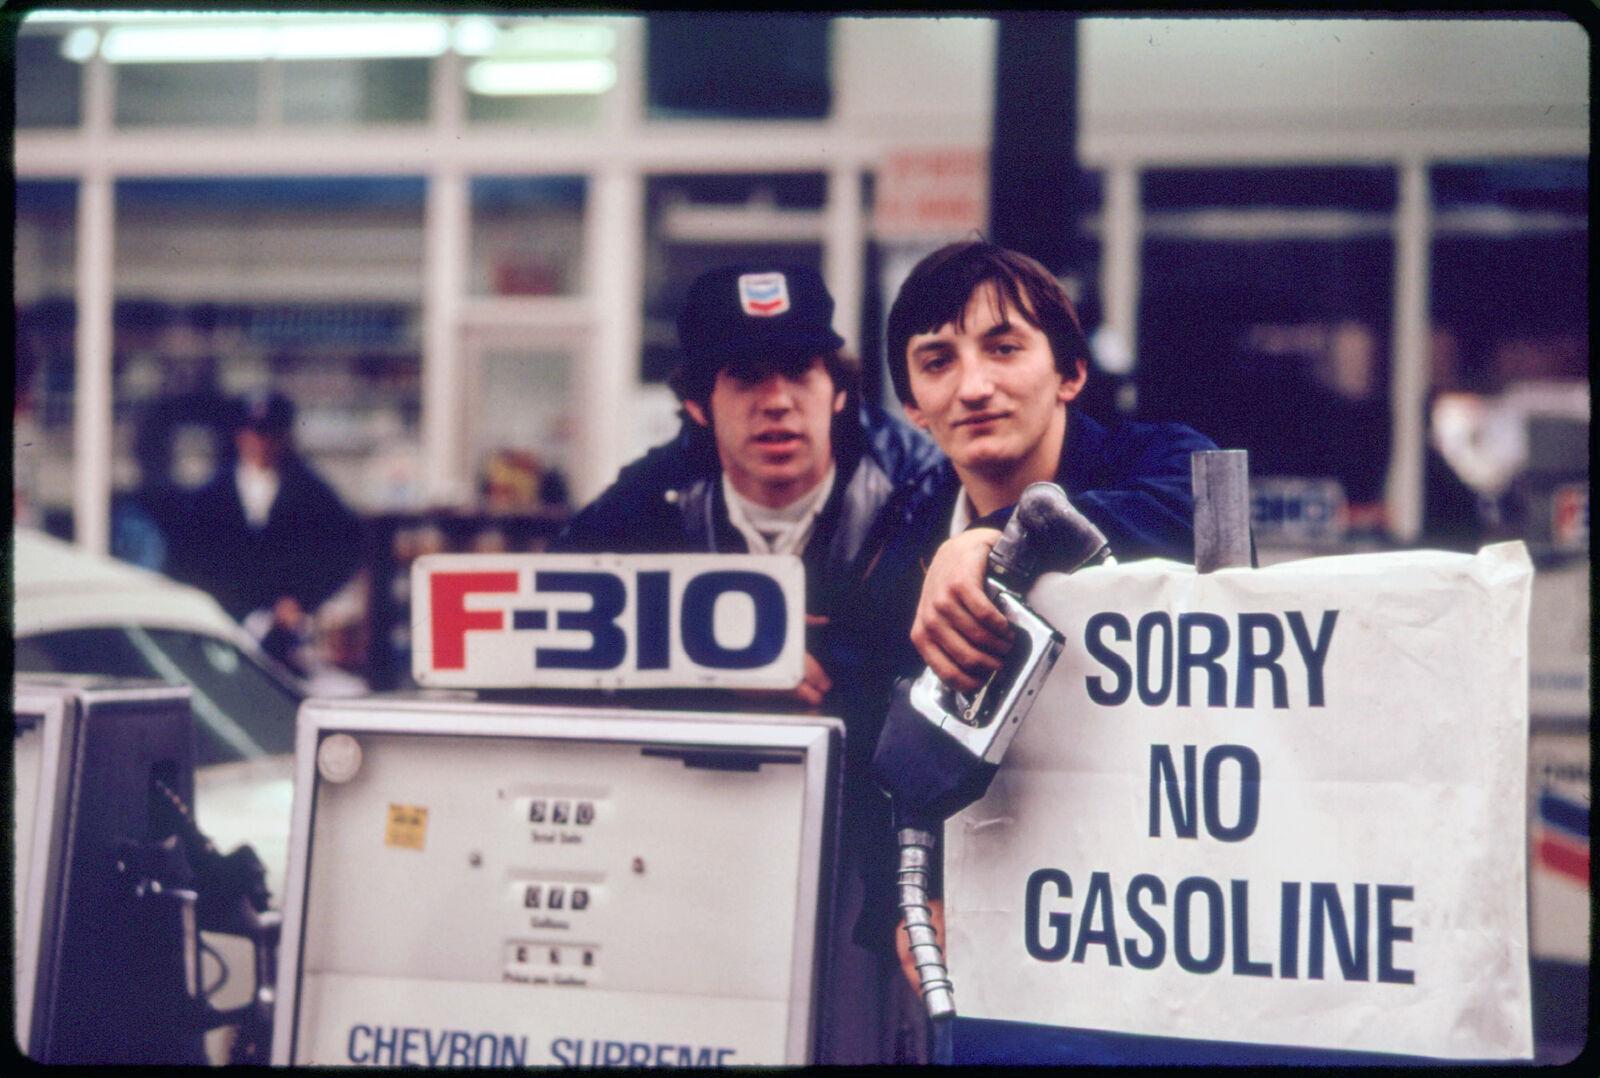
point(608, 621)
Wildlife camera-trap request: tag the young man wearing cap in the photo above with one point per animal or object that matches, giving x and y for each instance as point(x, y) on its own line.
point(778, 455)
point(267, 537)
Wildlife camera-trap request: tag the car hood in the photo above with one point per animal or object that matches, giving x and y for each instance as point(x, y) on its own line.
point(60, 586)
point(249, 801)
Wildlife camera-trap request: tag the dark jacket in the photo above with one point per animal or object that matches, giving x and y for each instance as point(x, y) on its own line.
point(308, 547)
point(671, 501)
point(1131, 479)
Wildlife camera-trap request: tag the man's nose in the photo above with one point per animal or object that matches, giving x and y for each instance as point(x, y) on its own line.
point(975, 384)
point(773, 394)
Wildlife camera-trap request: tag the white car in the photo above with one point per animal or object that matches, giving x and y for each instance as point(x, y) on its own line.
point(80, 613)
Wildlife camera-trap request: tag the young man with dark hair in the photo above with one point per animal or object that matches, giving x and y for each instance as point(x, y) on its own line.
point(778, 455)
point(987, 354)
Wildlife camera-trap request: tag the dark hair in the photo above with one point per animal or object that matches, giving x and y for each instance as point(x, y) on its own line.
point(694, 382)
point(939, 287)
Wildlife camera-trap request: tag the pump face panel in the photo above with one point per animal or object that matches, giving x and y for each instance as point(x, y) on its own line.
point(100, 973)
point(493, 885)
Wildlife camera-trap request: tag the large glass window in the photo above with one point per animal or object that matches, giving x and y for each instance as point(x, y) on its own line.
point(745, 67)
point(49, 86)
point(307, 286)
point(1508, 450)
point(522, 432)
point(380, 91)
point(188, 94)
point(1264, 318)
point(45, 239)
point(527, 236)
point(1510, 273)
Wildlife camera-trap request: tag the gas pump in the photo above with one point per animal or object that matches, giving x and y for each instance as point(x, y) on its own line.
point(553, 874)
point(114, 881)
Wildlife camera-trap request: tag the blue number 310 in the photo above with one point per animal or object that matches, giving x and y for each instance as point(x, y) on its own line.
point(608, 644)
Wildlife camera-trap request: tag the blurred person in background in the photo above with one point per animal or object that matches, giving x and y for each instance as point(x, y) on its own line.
point(777, 455)
point(179, 445)
point(267, 537)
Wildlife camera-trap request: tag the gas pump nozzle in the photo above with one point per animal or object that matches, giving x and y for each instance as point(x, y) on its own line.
point(940, 749)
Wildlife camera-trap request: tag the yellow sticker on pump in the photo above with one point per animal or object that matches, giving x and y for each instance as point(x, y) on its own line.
point(408, 826)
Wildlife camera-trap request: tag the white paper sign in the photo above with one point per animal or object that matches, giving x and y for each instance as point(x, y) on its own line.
point(1272, 806)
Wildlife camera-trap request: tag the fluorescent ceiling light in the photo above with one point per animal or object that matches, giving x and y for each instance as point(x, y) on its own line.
point(319, 40)
point(475, 36)
point(80, 44)
point(386, 36)
point(557, 39)
point(516, 78)
point(158, 44)
point(57, 15)
point(533, 38)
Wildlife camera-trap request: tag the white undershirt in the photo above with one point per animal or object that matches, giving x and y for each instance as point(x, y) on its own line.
point(784, 530)
point(961, 515)
point(258, 489)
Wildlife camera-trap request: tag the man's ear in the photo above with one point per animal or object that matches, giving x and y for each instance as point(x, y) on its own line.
point(1071, 387)
point(838, 402)
point(696, 413)
point(914, 414)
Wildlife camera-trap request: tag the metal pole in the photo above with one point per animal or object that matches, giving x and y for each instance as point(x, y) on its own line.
point(1221, 479)
point(1408, 394)
point(842, 244)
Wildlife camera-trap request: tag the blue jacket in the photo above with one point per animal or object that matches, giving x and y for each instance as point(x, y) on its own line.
point(1131, 479)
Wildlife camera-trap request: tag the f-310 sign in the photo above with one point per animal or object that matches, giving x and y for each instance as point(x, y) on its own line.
point(608, 621)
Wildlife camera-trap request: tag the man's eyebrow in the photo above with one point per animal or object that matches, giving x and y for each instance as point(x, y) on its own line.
point(999, 329)
point(936, 345)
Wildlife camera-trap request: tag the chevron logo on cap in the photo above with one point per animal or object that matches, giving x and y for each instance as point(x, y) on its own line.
point(763, 294)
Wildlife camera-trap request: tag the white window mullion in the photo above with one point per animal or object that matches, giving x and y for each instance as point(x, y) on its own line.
point(96, 251)
point(1123, 231)
point(447, 224)
point(607, 384)
point(843, 238)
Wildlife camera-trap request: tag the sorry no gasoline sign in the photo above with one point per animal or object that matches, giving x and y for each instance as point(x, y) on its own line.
point(1281, 806)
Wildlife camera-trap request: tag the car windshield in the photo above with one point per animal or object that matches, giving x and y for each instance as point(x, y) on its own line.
point(242, 711)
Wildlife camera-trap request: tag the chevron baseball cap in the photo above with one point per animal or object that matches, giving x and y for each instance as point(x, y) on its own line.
point(756, 314)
